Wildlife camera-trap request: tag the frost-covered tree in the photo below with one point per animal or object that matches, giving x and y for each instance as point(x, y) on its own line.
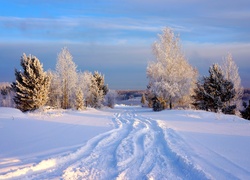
point(84, 82)
point(96, 95)
point(6, 95)
point(31, 85)
point(54, 90)
point(214, 92)
point(170, 76)
point(66, 71)
point(231, 73)
point(99, 78)
point(98, 90)
point(110, 98)
point(143, 100)
point(79, 100)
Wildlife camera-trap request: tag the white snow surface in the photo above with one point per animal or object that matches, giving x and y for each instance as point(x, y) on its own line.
point(128, 142)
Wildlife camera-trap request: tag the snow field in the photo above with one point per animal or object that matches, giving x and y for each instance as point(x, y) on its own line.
point(141, 145)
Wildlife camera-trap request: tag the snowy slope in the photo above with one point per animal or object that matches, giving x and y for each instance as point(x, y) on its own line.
point(124, 143)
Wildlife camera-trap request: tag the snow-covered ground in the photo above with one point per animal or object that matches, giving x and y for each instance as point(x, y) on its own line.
point(127, 142)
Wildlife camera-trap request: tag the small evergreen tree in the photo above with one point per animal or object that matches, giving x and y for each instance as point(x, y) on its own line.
point(32, 85)
point(143, 100)
point(79, 100)
point(98, 90)
point(99, 78)
point(214, 92)
point(246, 113)
point(159, 103)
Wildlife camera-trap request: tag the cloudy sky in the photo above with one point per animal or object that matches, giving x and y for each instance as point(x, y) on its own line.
point(115, 37)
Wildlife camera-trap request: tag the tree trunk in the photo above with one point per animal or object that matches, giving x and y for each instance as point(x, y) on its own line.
point(170, 103)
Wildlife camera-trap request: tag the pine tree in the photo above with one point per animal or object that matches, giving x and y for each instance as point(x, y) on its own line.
point(66, 71)
point(214, 92)
point(98, 90)
point(96, 95)
point(171, 77)
point(99, 78)
point(31, 85)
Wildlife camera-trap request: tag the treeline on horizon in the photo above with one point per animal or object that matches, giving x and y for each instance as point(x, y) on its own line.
point(172, 83)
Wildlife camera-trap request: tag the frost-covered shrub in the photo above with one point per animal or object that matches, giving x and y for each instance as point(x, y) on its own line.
point(6, 95)
point(110, 98)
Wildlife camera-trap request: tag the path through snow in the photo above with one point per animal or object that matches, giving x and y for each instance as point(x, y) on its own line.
point(135, 149)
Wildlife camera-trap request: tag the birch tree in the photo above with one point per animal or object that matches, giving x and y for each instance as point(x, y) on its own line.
point(84, 82)
point(170, 75)
point(231, 73)
point(66, 70)
point(54, 90)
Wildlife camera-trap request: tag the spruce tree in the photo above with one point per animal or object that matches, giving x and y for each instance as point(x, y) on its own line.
point(246, 113)
point(79, 100)
point(32, 85)
point(99, 78)
point(98, 90)
point(214, 92)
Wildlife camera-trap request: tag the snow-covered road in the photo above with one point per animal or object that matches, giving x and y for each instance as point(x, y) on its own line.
point(138, 147)
point(134, 149)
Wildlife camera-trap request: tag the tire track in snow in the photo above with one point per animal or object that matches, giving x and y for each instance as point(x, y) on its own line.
point(210, 163)
point(54, 167)
point(135, 149)
point(157, 160)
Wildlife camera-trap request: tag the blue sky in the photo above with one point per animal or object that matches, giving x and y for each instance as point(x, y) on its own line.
point(115, 37)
